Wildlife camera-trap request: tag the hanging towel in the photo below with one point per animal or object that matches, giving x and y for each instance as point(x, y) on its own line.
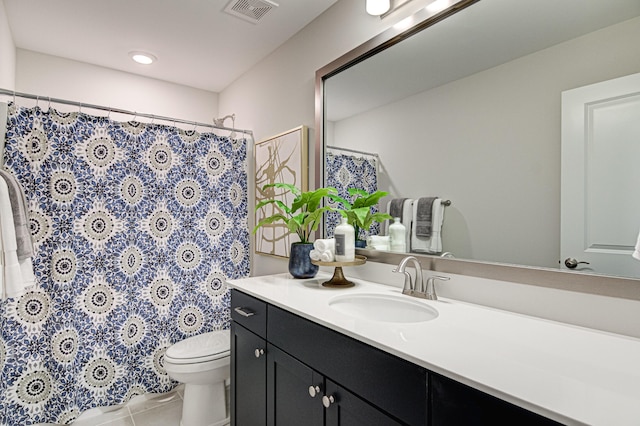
point(20, 216)
point(433, 244)
point(396, 206)
point(17, 276)
point(423, 216)
point(405, 215)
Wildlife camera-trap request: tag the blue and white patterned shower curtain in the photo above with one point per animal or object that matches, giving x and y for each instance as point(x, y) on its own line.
point(348, 171)
point(136, 227)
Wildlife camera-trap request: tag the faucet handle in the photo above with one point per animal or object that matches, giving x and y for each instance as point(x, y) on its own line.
point(407, 288)
point(431, 286)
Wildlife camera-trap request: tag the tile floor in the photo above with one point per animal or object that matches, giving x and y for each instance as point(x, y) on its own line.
point(145, 410)
point(150, 410)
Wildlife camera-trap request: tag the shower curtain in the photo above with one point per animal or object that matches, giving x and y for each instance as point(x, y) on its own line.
point(349, 171)
point(136, 227)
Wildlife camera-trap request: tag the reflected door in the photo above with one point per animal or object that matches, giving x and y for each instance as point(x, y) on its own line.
point(600, 202)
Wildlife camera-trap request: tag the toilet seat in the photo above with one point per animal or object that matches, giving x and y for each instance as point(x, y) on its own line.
point(201, 348)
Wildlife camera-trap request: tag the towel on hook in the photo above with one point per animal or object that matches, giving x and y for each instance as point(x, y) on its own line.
point(433, 244)
point(16, 276)
point(423, 216)
point(20, 216)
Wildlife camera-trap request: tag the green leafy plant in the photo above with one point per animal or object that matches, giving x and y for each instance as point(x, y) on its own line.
point(304, 215)
point(358, 212)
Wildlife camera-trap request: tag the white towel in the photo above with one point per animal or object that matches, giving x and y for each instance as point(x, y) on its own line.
point(323, 256)
point(379, 242)
point(406, 219)
point(636, 252)
point(432, 244)
point(325, 244)
point(17, 276)
point(326, 256)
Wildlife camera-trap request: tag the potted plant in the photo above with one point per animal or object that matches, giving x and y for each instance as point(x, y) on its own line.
point(358, 212)
point(302, 217)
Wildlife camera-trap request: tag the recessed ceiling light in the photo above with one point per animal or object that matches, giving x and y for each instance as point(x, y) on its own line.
point(142, 57)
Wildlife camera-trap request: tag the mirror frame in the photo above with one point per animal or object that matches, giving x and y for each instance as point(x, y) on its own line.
point(621, 287)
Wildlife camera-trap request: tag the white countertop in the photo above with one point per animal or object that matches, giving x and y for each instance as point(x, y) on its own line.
point(571, 374)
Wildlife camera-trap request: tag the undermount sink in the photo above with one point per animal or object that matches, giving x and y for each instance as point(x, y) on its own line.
point(383, 308)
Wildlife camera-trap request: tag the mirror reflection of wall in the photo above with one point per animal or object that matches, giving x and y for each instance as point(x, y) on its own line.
point(487, 138)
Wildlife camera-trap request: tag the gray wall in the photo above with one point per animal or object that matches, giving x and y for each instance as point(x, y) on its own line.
point(278, 94)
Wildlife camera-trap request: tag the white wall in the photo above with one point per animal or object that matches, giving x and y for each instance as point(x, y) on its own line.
point(7, 52)
point(51, 76)
point(491, 143)
point(278, 94)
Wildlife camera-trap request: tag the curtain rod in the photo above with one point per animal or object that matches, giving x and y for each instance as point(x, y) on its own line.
point(118, 110)
point(354, 150)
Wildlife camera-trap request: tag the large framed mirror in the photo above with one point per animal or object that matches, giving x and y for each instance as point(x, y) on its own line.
point(466, 103)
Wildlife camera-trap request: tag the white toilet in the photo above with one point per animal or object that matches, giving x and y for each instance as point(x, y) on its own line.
point(202, 364)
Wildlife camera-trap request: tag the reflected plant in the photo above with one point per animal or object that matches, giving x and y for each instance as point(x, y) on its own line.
point(358, 212)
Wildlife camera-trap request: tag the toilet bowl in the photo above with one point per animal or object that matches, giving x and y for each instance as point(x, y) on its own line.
point(202, 364)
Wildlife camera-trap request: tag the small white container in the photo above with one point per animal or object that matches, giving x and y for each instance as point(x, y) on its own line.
point(345, 242)
point(398, 236)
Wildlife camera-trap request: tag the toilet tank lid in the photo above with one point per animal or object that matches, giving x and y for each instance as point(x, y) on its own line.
point(202, 345)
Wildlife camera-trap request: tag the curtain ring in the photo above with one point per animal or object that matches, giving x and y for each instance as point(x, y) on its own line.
point(135, 115)
point(49, 104)
point(37, 101)
point(80, 107)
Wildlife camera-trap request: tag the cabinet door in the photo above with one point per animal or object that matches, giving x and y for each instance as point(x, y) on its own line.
point(290, 402)
point(248, 377)
point(346, 409)
point(454, 403)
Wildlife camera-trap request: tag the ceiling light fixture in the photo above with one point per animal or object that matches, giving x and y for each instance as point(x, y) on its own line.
point(377, 7)
point(143, 58)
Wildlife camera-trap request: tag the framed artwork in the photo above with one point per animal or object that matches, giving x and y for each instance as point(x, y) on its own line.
point(279, 159)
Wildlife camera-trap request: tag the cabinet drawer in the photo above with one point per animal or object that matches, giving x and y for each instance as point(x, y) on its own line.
point(249, 312)
point(396, 386)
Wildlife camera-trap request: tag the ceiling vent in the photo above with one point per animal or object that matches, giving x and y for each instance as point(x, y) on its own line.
point(250, 10)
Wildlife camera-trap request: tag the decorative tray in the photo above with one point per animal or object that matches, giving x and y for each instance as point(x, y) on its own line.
point(338, 280)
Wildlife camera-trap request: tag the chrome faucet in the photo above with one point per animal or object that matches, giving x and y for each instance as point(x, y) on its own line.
point(418, 289)
point(410, 288)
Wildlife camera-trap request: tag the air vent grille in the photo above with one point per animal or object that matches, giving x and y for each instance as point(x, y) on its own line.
point(250, 10)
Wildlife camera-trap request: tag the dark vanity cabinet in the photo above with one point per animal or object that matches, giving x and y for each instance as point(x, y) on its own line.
point(248, 361)
point(287, 370)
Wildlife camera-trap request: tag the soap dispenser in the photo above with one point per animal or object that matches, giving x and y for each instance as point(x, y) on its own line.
point(345, 242)
point(398, 236)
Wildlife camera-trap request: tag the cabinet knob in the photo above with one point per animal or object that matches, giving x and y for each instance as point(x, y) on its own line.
point(314, 390)
point(259, 353)
point(328, 400)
